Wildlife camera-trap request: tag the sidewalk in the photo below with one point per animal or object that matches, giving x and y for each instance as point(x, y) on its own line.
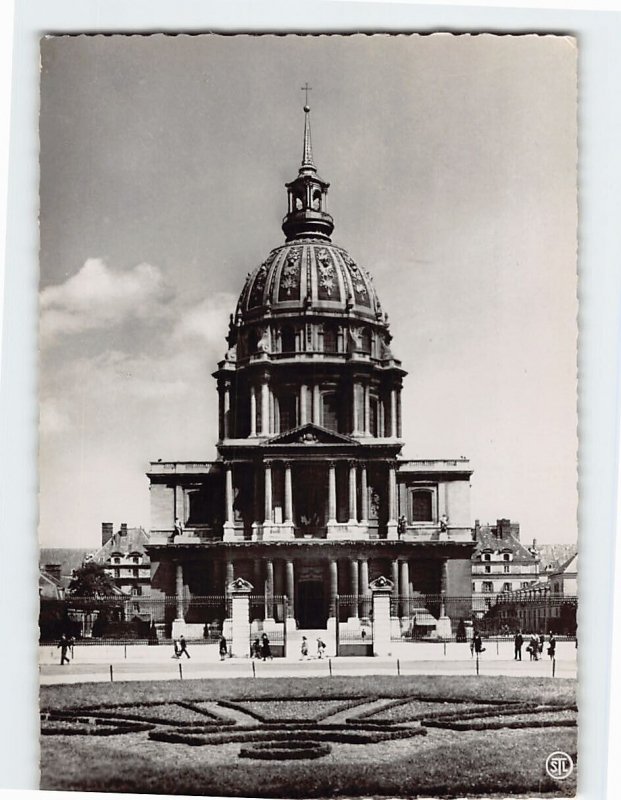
point(133, 669)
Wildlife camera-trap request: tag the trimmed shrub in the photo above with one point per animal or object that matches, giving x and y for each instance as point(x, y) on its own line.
point(286, 751)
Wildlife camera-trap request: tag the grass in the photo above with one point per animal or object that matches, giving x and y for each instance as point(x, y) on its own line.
point(444, 763)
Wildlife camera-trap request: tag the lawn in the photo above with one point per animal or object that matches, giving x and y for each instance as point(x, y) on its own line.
point(443, 762)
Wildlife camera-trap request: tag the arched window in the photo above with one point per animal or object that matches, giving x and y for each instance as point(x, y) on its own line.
point(330, 416)
point(422, 505)
point(330, 338)
point(316, 200)
point(287, 339)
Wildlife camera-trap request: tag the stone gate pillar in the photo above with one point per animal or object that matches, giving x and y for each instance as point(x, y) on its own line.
point(239, 592)
point(381, 588)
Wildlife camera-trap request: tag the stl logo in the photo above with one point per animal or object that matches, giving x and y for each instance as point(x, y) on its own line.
point(559, 765)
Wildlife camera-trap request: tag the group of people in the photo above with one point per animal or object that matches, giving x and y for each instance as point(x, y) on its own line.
point(535, 646)
point(321, 648)
point(260, 648)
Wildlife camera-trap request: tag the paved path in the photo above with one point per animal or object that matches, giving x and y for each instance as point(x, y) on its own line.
point(134, 670)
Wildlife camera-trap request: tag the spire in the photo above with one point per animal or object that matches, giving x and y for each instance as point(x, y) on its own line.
point(307, 154)
point(307, 214)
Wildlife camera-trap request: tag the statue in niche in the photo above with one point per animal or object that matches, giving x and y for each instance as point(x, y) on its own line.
point(263, 340)
point(374, 505)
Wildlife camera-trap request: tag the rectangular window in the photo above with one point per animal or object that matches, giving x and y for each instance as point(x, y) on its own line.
point(488, 569)
point(487, 586)
point(506, 587)
point(507, 568)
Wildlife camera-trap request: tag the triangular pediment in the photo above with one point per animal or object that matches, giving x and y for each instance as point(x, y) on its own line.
point(310, 434)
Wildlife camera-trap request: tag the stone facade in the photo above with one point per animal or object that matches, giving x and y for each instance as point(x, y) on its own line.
point(309, 496)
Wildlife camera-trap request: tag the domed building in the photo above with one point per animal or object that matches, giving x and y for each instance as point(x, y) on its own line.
point(309, 499)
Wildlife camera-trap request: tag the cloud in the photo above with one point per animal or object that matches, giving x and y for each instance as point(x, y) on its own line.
point(208, 320)
point(98, 297)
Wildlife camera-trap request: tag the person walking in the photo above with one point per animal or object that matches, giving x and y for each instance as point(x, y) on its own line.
point(266, 650)
point(518, 641)
point(533, 648)
point(222, 648)
point(304, 648)
point(183, 646)
point(255, 649)
point(542, 640)
point(64, 646)
point(477, 643)
point(551, 646)
point(321, 647)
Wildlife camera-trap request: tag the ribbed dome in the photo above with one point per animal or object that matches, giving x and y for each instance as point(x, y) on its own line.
point(311, 275)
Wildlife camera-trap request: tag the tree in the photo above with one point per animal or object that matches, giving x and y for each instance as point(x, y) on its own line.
point(91, 580)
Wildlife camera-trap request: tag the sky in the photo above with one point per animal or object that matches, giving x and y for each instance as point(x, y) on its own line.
point(452, 164)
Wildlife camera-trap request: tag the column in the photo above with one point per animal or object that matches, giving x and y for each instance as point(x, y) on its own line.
point(394, 566)
point(443, 625)
point(179, 590)
point(392, 504)
point(316, 404)
point(367, 409)
point(355, 578)
point(265, 408)
point(364, 495)
point(290, 588)
point(227, 410)
point(268, 493)
point(353, 515)
point(393, 413)
point(364, 586)
point(229, 575)
point(272, 423)
point(288, 495)
point(332, 494)
point(253, 411)
point(228, 471)
point(354, 408)
point(405, 588)
point(269, 589)
point(334, 586)
point(303, 404)
point(179, 504)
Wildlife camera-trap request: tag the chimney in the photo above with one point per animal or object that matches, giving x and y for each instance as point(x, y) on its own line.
point(123, 530)
point(503, 526)
point(53, 570)
point(534, 544)
point(107, 529)
point(477, 530)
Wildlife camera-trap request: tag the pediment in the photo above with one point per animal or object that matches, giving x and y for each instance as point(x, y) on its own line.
point(310, 434)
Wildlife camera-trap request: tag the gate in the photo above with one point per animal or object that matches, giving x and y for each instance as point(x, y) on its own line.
point(272, 607)
point(354, 628)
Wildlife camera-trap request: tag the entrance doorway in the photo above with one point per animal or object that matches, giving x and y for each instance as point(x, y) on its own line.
point(311, 610)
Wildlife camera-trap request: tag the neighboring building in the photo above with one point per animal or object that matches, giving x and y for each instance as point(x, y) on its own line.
point(309, 496)
point(61, 562)
point(125, 558)
point(50, 584)
point(548, 604)
point(553, 556)
point(500, 562)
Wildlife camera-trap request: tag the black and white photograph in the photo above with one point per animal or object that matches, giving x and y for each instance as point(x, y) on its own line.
point(308, 415)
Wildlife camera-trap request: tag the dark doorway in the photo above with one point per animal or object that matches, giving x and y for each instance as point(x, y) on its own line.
point(311, 611)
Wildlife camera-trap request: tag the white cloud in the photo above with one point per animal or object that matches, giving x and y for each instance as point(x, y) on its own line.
point(208, 320)
point(98, 297)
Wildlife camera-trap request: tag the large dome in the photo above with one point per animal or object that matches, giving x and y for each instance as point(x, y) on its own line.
point(310, 275)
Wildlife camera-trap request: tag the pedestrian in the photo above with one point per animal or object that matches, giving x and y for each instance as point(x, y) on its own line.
point(542, 640)
point(477, 643)
point(223, 649)
point(255, 648)
point(183, 647)
point(64, 646)
point(551, 646)
point(533, 648)
point(304, 648)
point(176, 648)
point(321, 648)
point(266, 650)
point(518, 641)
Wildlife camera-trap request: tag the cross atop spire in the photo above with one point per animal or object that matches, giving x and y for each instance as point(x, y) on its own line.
point(307, 154)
